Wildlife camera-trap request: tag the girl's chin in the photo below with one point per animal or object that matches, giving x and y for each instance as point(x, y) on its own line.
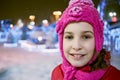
point(77, 63)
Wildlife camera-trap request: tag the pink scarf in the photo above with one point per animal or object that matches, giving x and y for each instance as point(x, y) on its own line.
point(72, 73)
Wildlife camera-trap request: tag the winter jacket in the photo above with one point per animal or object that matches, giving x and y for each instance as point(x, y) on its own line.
point(112, 73)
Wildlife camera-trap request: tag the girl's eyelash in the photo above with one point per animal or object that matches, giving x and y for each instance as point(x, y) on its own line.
point(68, 37)
point(86, 36)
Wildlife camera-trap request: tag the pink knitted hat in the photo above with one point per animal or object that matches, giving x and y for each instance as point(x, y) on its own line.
point(80, 11)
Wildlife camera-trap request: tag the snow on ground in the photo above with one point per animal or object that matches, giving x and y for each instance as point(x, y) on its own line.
point(18, 63)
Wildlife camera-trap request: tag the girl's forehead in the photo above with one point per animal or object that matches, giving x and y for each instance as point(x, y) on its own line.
point(80, 26)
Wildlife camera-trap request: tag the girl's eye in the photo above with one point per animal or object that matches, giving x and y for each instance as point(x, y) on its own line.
point(86, 37)
point(68, 37)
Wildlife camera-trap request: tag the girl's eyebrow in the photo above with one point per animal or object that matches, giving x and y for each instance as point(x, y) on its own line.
point(88, 32)
point(68, 33)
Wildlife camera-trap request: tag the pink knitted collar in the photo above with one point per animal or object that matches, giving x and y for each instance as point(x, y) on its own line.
point(72, 73)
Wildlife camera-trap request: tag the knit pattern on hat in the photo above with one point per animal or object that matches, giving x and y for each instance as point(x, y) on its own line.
point(81, 11)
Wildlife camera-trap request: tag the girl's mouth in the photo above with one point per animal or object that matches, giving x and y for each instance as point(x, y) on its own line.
point(77, 56)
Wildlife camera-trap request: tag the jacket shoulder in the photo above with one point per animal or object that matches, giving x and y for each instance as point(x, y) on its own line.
point(112, 74)
point(57, 73)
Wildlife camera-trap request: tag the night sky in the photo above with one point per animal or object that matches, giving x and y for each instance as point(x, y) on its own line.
point(21, 9)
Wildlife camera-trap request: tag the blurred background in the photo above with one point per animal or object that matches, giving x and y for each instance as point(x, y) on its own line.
point(29, 47)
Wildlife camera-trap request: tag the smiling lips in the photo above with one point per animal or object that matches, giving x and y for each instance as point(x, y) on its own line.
point(77, 56)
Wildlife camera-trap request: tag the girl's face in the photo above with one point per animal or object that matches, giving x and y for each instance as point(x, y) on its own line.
point(78, 43)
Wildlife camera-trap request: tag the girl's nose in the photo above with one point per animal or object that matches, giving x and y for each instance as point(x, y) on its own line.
point(77, 49)
point(76, 45)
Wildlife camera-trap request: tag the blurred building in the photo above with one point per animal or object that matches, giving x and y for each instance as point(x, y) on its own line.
point(110, 13)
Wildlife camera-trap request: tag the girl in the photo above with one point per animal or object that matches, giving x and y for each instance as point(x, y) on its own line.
point(80, 32)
